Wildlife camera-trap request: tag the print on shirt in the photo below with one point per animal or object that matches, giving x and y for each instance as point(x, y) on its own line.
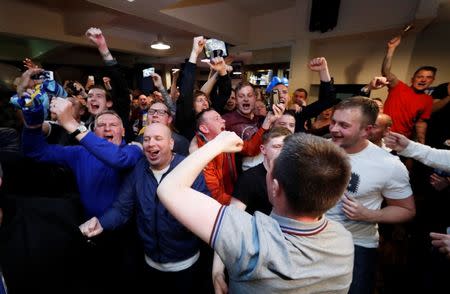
point(353, 185)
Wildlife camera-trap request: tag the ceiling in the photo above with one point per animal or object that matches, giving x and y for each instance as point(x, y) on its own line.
point(55, 29)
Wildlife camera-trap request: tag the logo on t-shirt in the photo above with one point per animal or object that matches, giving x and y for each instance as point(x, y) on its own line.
point(353, 185)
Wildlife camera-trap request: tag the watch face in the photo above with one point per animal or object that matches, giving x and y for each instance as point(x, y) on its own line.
point(82, 128)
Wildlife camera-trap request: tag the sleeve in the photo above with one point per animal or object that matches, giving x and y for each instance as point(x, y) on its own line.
point(122, 208)
point(214, 183)
point(221, 94)
point(398, 186)
point(252, 147)
point(169, 102)
point(185, 101)
point(327, 99)
point(35, 146)
point(436, 158)
point(111, 154)
point(242, 242)
point(120, 95)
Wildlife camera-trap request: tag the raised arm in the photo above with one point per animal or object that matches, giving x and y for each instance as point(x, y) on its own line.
point(387, 61)
point(327, 94)
point(95, 35)
point(187, 81)
point(119, 91)
point(191, 208)
point(173, 86)
point(157, 81)
point(436, 158)
point(109, 153)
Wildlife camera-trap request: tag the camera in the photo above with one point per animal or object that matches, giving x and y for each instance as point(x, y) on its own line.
point(215, 48)
point(148, 72)
point(43, 75)
point(274, 98)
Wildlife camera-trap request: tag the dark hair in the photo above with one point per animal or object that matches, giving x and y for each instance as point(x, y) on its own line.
point(169, 113)
point(107, 94)
point(302, 90)
point(275, 132)
point(290, 112)
point(199, 117)
point(369, 108)
point(244, 84)
point(313, 173)
point(427, 68)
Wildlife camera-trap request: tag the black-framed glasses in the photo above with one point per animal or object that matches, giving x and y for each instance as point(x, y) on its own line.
point(159, 111)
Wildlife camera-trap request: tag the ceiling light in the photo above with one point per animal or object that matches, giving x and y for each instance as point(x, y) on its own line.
point(130, 0)
point(237, 73)
point(159, 44)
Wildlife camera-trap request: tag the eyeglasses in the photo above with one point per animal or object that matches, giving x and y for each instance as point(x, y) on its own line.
point(159, 111)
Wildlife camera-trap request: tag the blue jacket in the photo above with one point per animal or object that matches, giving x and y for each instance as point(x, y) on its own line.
point(98, 165)
point(164, 238)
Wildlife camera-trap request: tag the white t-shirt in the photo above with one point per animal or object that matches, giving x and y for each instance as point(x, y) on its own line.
point(375, 173)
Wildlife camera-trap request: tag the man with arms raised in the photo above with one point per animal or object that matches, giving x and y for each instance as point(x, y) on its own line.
point(296, 248)
point(171, 250)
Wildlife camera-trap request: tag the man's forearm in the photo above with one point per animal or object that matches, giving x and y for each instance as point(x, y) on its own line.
point(387, 61)
point(421, 131)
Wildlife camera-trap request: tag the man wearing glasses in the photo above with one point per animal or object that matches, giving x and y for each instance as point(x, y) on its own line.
point(159, 113)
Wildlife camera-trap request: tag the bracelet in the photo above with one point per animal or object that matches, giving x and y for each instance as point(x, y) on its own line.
point(106, 54)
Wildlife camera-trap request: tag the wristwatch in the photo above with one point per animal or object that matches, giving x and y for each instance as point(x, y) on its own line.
point(80, 130)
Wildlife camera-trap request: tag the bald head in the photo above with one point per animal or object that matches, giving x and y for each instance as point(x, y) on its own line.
point(380, 129)
point(158, 145)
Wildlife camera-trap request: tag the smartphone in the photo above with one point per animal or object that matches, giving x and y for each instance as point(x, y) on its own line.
point(274, 98)
point(44, 75)
point(148, 72)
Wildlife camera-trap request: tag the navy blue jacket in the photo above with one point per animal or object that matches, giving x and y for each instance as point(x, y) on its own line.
point(164, 238)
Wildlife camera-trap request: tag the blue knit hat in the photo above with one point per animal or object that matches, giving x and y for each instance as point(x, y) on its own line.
point(276, 81)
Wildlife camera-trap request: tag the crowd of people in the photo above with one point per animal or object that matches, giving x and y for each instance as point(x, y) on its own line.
point(212, 189)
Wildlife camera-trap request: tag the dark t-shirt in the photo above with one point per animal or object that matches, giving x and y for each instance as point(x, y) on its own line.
point(251, 189)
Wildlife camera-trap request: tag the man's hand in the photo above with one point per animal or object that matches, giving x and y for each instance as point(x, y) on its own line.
point(318, 64)
point(439, 183)
point(63, 109)
point(197, 48)
point(220, 285)
point(95, 35)
point(441, 242)
point(354, 210)
point(26, 82)
point(229, 142)
point(107, 83)
point(218, 64)
point(91, 227)
point(394, 42)
point(378, 83)
point(198, 44)
point(29, 64)
point(396, 141)
point(157, 81)
point(272, 116)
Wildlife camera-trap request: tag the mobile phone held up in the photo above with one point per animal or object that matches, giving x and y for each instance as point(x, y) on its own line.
point(43, 75)
point(273, 98)
point(146, 72)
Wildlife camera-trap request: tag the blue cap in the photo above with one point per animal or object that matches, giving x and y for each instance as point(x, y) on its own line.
point(276, 81)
